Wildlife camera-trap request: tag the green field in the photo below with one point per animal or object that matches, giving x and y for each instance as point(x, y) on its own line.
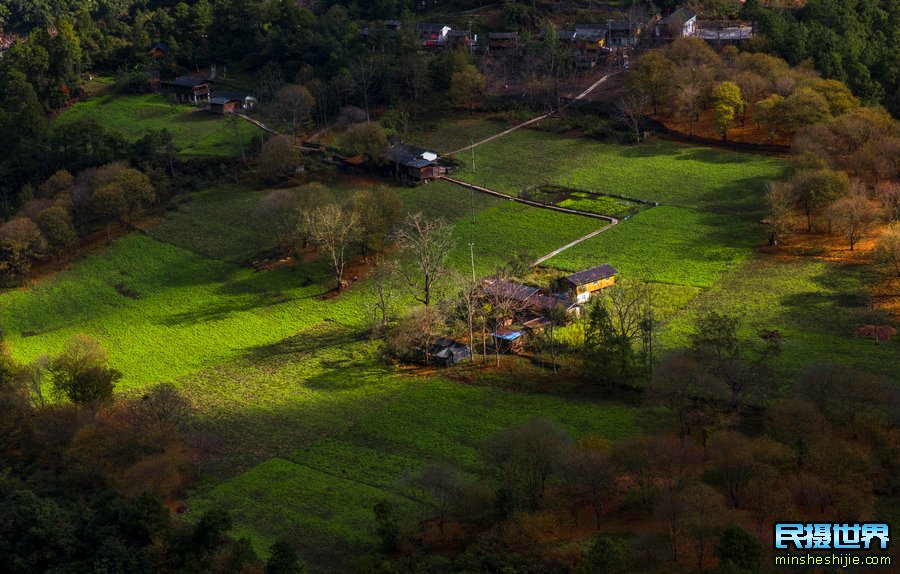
point(196, 131)
point(669, 173)
point(448, 134)
point(311, 428)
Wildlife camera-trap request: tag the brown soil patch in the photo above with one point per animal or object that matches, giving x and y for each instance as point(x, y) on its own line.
point(705, 127)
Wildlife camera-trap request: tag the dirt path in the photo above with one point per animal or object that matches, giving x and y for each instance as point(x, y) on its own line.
point(259, 124)
point(580, 96)
point(612, 221)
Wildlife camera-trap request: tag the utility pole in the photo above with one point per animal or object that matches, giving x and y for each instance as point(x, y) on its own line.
point(472, 255)
point(472, 189)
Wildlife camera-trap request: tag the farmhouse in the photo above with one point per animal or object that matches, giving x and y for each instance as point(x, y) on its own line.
point(414, 164)
point(507, 340)
point(503, 41)
point(622, 34)
point(242, 100)
point(508, 290)
point(187, 89)
point(720, 33)
point(433, 35)
point(680, 23)
point(585, 283)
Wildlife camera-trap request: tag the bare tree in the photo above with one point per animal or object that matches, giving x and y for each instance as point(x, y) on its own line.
point(428, 243)
point(331, 227)
point(888, 250)
point(778, 198)
point(293, 105)
point(385, 295)
point(632, 109)
point(852, 215)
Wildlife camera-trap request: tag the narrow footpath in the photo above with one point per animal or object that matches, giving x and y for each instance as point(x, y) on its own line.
point(611, 221)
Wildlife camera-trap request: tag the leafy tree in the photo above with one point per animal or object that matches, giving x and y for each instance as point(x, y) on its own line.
point(778, 198)
point(888, 250)
point(59, 182)
point(740, 548)
point(728, 104)
point(606, 555)
point(387, 526)
point(768, 114)
point(367, 140)
point(108, 203)
point(279, 158)
point(56, 225)
point(803, 107)
point(21, 241)
point(652, 75)
point(81, 372)
point(615, 321)
point(737, 361)
point(466, 86)
point(525, 458)
point(283, 559)
point(815, 189)
point(377, 213)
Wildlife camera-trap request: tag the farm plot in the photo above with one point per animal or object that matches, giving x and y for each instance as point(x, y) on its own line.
point(667, 245)
point(815, 305)
point(323, 493)
point(451, 133)
point(195, 131)
point(669, 173)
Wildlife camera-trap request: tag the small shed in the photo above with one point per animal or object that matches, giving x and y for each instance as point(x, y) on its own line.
point(223, 106)
point(583, 284)
point(507, 340)
point(159, 50)
point(449, 352)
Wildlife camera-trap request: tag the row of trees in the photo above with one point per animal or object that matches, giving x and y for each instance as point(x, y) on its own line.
point(62, 431)
point(688, 77)
point(54, 216)
point(707, 488)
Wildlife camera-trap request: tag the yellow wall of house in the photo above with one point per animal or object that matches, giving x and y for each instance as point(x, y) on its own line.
point(596, 285)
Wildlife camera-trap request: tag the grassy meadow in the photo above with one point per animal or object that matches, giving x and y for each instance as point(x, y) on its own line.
point(311, 428)
point(196, 132)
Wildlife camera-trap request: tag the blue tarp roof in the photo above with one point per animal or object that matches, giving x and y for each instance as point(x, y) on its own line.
point(507, 335)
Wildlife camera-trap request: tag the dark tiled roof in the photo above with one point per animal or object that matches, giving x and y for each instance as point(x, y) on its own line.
point(233, 96)
point(591, 275)
point(186, 81)
point(514, 291)
point(681, 15)
point(503, 35)
point(546, 303)
point(220, 101)
point(410, 155)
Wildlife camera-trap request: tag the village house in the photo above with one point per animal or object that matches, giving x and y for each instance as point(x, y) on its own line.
point(433, 35)
point(499, 42)
point(242, 100)
point(159, 50)
point(622, 34)
point(678, 24)
point(413, 164)
point(187, 89)
point(721, 33)
point(580, 286)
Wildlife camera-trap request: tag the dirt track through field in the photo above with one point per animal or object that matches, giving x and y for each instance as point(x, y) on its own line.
point(516, 127)
point(612, 221)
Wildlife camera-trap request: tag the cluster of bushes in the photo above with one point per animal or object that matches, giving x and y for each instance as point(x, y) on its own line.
point(688, 77)
point(53, 217)
point(85, 476)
